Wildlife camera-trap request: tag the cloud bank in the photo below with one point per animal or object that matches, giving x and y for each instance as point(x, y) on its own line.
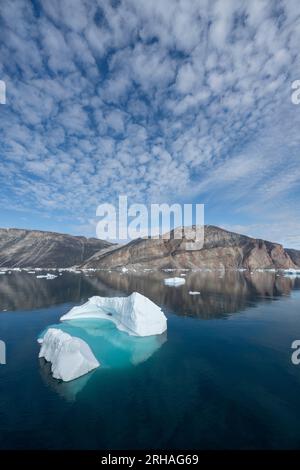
point(161, 100)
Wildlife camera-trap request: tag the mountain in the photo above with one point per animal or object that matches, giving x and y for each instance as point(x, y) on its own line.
point(222, 250)
point(294, 255)
point(34, 248)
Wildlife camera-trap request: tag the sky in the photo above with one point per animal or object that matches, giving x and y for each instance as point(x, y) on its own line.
point(165, 101)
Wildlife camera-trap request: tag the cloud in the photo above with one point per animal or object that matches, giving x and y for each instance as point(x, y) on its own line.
point(175, 99)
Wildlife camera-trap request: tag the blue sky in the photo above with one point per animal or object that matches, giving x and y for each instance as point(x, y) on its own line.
point(161, 100)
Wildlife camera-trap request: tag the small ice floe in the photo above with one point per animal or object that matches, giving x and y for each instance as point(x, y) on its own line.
point(46, 276)
point(194, 292)
point(182, 275)
point(291, 272)
point(136, 314)
point(174, 281)
point(31, 272)
point(2, 272)
point(70, 357)
point(124, 269)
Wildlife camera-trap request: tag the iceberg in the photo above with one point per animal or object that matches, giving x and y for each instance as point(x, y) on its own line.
point(46, 276)
point(194, 292)
point(70, 357)
point(136, 314)
point(174, 281)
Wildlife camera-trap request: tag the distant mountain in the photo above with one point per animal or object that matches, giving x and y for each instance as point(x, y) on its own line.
point(222, 249)
point(294, 255)
point(34, 248)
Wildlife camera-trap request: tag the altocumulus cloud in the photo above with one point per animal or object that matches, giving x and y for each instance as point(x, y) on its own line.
point(159, 100)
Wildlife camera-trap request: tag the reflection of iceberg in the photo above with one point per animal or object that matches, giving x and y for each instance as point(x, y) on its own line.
point(68, 390)
point(70, 357)
point(136, 314)
point(112, 347)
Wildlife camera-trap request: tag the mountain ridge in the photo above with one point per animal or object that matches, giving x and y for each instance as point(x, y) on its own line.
point(222, 249)
point(37, 248)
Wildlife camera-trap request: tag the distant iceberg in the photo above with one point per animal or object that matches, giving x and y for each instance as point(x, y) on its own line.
point(70, 357)
point(196, 292)
point(46, 276)
point(291, 272)
point(136, 314)
point(174, 281)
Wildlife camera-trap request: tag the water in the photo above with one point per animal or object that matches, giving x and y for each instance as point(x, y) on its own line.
point(221, 377)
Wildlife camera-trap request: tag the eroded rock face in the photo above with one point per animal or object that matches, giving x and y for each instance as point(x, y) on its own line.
point(33, 248)
point(221, 250)
point(294, 255)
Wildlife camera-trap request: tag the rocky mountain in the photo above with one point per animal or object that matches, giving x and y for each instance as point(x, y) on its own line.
point(294, 255)
point(222, 250)
point(34, 248)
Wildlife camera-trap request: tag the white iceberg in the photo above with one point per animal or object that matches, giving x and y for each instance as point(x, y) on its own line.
point(46, 276)
point(174, 281)
point(136, 315)
point(195, 292)
point(70, 357)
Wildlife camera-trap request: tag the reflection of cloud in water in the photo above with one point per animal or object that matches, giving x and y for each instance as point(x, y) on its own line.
point(114, 349)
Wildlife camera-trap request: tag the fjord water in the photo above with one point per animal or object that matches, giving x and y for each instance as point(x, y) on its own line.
point(221, 377)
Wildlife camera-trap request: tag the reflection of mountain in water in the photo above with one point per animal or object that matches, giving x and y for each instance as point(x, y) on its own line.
point(23, 291)
point(222, 293)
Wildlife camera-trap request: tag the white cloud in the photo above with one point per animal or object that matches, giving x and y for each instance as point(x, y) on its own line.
point(186, 97)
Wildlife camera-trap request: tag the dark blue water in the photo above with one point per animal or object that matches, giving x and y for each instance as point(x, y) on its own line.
point(222, 377)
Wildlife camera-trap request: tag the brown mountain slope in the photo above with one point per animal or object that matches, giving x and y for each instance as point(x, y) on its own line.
point(294, 255)
point(222, 250)
point(33, 248)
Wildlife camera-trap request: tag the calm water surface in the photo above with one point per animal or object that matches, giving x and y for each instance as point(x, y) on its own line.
point(221, 377)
